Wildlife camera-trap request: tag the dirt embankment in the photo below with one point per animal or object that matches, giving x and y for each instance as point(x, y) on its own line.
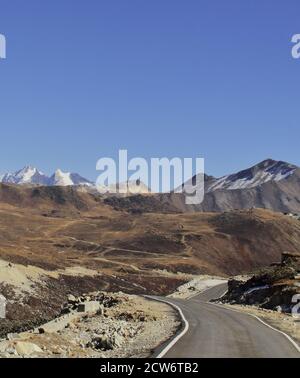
point(98, 325)
point(35, 295)
point(196, 286)
point(273, 288)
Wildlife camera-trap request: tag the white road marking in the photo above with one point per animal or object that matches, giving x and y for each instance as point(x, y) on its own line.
point(260, 320)
point(182, 333)
point(186, 323)
point(186, 328)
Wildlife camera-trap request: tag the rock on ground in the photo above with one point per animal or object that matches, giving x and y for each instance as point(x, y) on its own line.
point(124, 326)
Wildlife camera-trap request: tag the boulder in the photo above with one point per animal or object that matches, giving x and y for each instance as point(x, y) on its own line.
point(13, 336)
point(101, 342)
point(92, 306)
point(71, 298)
point(3, 346)
point(26, 348)
point(288, 258)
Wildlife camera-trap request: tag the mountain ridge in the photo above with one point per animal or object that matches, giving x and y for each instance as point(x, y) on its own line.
point(270, 184)
point(258, 174)
point(262, 172)
point(30, 175)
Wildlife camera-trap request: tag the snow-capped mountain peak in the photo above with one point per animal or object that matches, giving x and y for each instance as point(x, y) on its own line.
point(32, 176)
point(61, 178)
point(261, 173)
point(267, 170)
point(26, 175)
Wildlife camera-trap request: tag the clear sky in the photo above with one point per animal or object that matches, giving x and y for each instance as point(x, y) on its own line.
point(187, 78)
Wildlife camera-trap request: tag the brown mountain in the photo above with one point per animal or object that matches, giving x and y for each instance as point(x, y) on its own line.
point(55, 241)
point(57, 227)
point(273, 185)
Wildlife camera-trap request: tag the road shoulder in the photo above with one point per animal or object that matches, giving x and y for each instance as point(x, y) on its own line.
point(282, 322)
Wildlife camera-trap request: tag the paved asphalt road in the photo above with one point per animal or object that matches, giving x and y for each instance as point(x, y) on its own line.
point(218, 332)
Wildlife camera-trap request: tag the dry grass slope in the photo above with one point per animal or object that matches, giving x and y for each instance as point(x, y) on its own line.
point(61, 229)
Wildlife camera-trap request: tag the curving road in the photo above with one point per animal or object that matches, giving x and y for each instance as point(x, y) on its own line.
point(215, 331)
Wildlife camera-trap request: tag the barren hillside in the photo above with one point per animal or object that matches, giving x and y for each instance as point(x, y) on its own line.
point(55, 241)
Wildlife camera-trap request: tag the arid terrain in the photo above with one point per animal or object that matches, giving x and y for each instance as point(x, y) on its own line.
point(270, 288)
point(56, 241)
point(116, 325)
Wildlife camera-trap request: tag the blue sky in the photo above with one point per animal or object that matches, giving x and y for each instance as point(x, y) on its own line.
point(213, 79)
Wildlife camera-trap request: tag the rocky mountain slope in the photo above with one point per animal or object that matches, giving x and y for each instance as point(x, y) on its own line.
point(50, 198)
point(266, 171)
point(271, 184)
point(282, 196)
point(97, 325)
point(272, 288)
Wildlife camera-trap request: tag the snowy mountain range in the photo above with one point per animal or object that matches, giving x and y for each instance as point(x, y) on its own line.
point(269, 184)
point(32, 176)
point(267, 170)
